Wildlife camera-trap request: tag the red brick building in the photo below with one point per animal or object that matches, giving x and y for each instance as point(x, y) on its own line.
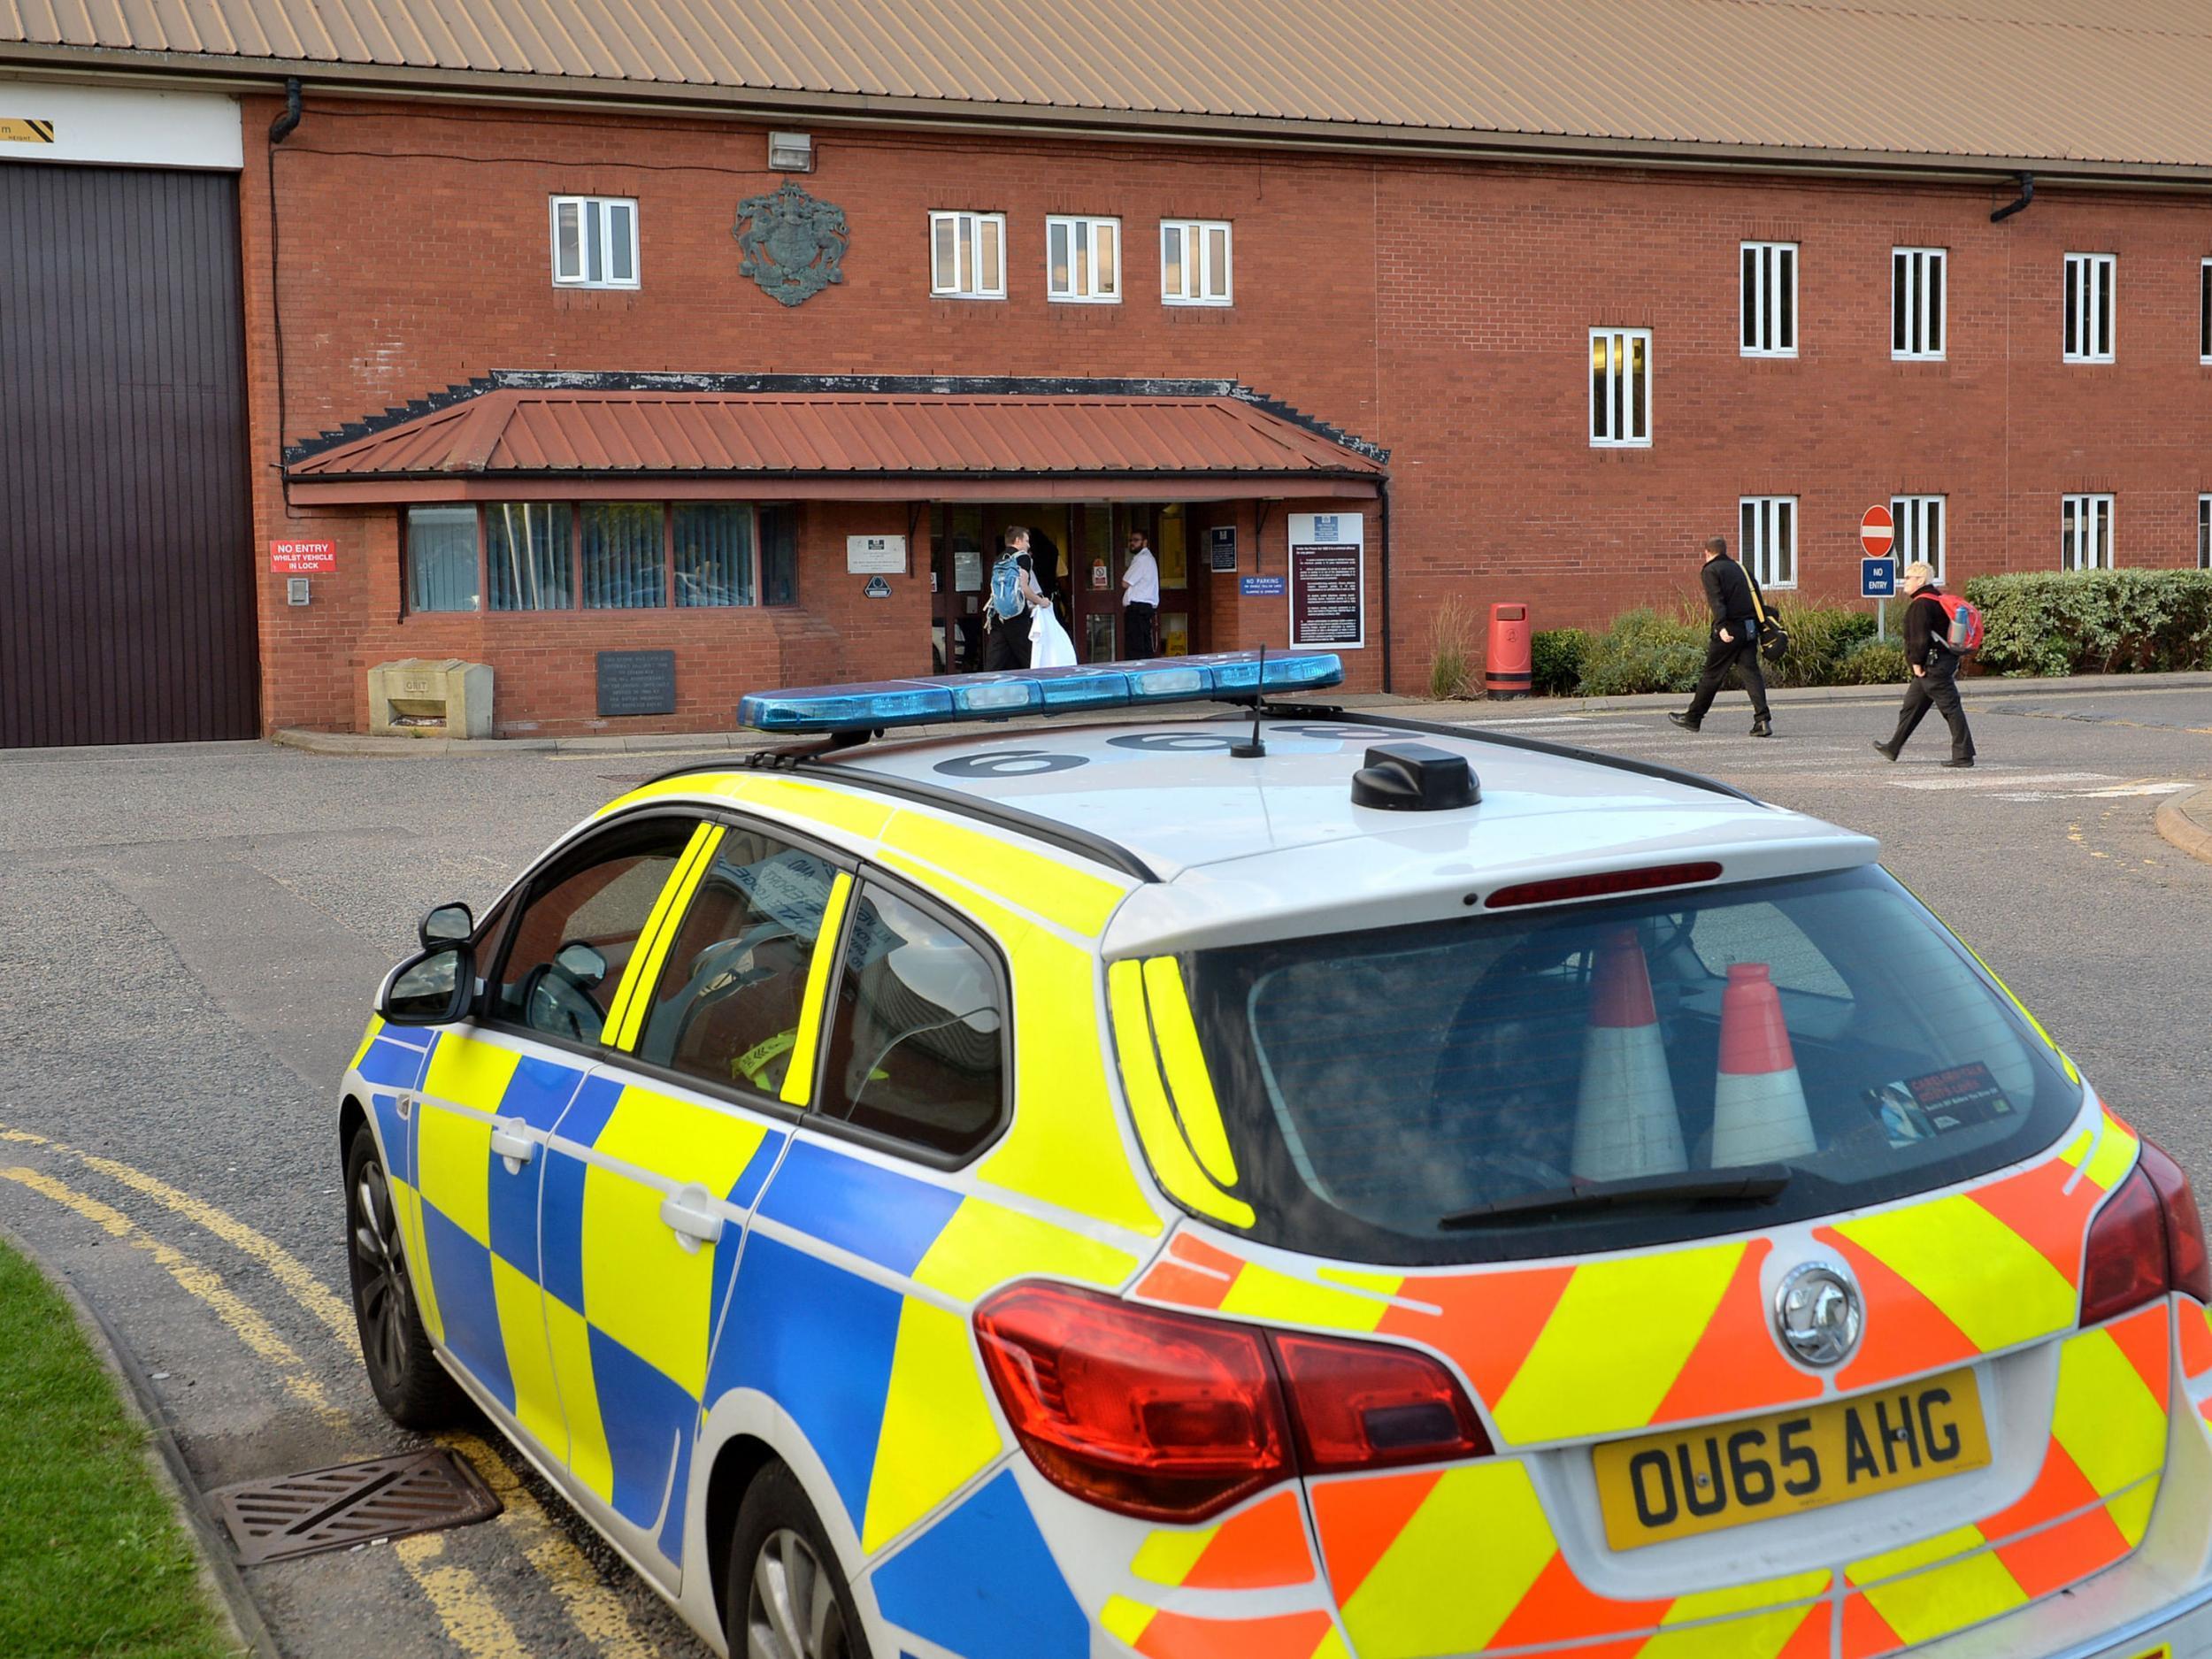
point(1514, 315)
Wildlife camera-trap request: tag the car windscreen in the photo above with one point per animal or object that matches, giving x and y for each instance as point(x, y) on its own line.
point(1601, 1076)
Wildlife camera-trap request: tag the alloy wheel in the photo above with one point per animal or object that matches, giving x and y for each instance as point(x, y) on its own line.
point(380, 1293)
point(791, 1610)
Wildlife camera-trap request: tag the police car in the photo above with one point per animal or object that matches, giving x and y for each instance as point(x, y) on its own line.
point(1292, 1184)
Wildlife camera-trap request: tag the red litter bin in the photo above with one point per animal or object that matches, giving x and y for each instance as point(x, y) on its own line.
point(1507, 667)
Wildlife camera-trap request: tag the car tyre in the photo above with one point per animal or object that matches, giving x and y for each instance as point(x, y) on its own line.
point(415, 1390)
point(787, 1597)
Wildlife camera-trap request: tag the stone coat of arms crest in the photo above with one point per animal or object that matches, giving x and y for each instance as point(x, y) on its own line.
point(794, 244)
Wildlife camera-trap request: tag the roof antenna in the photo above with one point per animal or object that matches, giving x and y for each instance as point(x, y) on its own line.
point(1255, 750)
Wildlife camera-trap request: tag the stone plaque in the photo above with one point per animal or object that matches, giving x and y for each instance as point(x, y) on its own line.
point(637, 682)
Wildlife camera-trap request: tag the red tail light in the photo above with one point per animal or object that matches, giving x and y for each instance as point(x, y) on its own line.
point(1361, 1405)
point(2147, 1240)
point(1175, 1417)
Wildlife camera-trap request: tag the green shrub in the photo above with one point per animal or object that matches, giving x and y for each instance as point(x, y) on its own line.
point(1645, 650)
point(1872, 662)
point(1821, 644)
point(1557, 657)
point(2077, 622)
point(1451, 636)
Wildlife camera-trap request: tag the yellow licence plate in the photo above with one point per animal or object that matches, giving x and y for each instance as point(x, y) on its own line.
point(1686, 1481)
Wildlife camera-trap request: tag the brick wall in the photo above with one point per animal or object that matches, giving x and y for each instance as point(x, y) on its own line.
point(1441, 310)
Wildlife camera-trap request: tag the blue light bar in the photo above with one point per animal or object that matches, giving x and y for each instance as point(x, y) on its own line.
point(948, 698)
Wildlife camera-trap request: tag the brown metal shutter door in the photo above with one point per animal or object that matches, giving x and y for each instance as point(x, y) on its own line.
point(127, 574)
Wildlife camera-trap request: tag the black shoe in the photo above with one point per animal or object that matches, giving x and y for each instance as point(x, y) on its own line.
point(1886, 753)
point(1960, 760)
point(1762, 728)
point(1685, 722)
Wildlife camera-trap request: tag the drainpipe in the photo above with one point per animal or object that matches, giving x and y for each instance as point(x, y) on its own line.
point(279, 130)
point(2027, 195)
point(282, 127)
point(1385, 583)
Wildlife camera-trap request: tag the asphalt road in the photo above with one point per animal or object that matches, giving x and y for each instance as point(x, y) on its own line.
point(188, 937)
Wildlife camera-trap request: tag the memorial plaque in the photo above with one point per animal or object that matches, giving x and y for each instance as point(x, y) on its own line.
point(1327, 576)
point(637, 682)
point(1221, 548)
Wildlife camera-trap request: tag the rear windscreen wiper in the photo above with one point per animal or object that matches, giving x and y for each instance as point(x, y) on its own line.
point(1745, 1183)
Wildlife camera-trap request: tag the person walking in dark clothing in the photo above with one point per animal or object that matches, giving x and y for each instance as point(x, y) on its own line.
point(1006, 606)
point(1734, 643)
point(1935, 669)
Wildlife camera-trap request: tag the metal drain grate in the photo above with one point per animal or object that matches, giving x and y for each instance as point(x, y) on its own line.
point(336, 1509)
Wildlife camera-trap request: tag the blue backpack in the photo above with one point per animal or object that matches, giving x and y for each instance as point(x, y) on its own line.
point(1006, 590)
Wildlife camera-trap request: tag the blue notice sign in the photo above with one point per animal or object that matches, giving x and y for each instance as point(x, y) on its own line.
point(1878, 578)
point(1261, 587)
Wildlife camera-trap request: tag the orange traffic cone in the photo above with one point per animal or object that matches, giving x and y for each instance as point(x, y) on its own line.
point(1626, 1123)
point(1759, 1114)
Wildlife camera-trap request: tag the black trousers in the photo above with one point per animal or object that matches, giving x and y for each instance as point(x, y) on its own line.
point(1137, 638)
point(1740, 653)
point(1939, 686)
point(1006, 643)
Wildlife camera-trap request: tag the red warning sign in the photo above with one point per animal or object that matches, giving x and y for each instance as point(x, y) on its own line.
point(1877, 531)
point(302, 558)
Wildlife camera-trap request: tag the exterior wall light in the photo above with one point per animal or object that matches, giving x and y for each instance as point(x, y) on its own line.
point(791, 152)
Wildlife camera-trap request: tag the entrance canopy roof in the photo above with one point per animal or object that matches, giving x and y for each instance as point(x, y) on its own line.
point(517, 437)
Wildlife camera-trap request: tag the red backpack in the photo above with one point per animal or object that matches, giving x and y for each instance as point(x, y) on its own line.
point(1966, 623)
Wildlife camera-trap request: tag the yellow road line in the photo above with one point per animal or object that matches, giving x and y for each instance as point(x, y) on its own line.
point(200, 1282)
point(594, 1610)
point(472, 1623)
point(596, 1613)
point(455, 1595)
point(287, 1269)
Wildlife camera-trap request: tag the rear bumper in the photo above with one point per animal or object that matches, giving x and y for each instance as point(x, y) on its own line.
point(2184, 1631)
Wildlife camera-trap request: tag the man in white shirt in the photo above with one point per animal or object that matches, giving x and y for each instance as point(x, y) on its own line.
point(1140, 598)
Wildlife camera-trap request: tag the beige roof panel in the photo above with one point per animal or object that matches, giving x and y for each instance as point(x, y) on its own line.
point(2119, 83)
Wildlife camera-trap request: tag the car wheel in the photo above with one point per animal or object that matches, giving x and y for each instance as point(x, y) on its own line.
point(409, 1384)
point(787, 1597)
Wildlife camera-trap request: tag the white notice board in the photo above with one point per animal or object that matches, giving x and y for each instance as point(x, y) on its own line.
point(1328, 580)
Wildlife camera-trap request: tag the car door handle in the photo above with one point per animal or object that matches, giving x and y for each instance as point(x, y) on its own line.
point(511, 1140)
point(690, 1210)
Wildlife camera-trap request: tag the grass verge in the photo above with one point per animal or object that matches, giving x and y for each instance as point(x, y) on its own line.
point(93, 1563)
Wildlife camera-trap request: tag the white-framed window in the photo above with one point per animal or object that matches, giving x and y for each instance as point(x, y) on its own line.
point(2088, 320)
point(2204, 532)
point(1620, 387)
point(1769, 539)
point(1083, 260)
point(2085, 532)
point(1194, 262)
point(1916, 301)
point(1920, 530)
point(2204, 311)
point(1769, 299)
point(595, 242)
point(967, 256)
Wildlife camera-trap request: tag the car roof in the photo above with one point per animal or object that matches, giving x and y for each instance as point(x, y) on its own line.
point(1169, 792)
point(1215, 845)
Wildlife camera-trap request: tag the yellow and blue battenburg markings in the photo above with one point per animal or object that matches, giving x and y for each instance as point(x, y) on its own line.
point(947, 697)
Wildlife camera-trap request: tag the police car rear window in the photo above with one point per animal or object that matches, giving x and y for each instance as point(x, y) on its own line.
point(1454, 1090)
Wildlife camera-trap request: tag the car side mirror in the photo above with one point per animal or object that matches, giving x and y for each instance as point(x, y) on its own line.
point(585, 965)
point(433, 989)
point(448, 925)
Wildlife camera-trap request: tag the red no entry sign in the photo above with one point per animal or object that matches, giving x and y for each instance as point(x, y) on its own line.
point(1877, 531)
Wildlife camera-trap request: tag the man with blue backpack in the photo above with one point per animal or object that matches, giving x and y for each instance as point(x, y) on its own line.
point(1939, 630)
point(1006, 611)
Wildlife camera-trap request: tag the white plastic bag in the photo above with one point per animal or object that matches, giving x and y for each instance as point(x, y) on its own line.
point(1049, 646)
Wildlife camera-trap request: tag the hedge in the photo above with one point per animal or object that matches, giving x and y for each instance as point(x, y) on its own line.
point(2094, 622)
point(1664, 650)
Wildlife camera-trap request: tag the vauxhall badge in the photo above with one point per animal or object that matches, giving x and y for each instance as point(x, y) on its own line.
point(1817, 1313)
point(794, 245)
